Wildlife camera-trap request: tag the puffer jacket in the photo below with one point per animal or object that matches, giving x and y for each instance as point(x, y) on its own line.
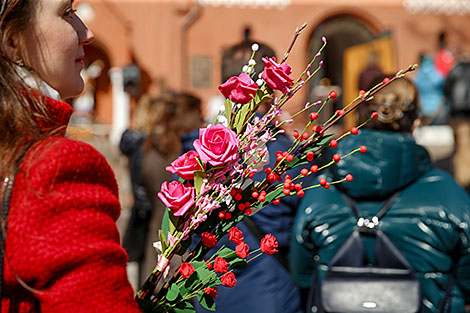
point(428, 222)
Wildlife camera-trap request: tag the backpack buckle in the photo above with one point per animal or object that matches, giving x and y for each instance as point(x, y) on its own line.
point(366, 223)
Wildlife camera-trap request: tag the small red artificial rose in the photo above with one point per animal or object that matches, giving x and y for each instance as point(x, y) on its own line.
point(185, 165)
point(242, 250)
point(209, 240)
point(277, 75)
point(228, 280)
point(235, 235)
point(186, 269)
point(220, 265)
point(209, 265)
point(211, 291)
point(239, 89)
point(269, 244)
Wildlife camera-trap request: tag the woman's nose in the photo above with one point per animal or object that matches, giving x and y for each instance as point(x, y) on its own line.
point(85, 35)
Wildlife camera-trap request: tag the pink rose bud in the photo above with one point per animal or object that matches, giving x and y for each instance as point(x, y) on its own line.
point(239, 89)
point(320, 64)
point(318, 54)
point(185, 165)
point(277, 75)
point(323, 39)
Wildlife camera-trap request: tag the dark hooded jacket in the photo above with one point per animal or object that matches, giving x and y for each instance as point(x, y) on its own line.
point(428, 222)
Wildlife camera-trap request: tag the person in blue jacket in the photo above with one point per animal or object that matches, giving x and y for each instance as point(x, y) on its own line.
point(265, 285)
point(428, 222)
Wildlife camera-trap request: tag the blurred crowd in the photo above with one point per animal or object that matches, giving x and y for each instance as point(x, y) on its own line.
point(310, 231)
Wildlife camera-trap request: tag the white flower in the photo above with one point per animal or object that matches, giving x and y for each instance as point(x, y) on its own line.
point(255, 47)
point(260, 82)
point(222, 120)
point(252, 62)
point(245, 68)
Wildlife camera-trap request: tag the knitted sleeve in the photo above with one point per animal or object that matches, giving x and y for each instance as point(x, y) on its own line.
point(62, 238)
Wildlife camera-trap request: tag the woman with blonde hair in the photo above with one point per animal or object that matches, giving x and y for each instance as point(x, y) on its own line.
point(60, 245)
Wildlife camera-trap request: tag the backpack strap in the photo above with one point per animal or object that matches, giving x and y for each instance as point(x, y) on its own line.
point(375, 220)
point(258, 233)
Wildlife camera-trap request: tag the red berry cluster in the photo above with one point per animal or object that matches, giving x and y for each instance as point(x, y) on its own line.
point(302, 137)
point(289, 187)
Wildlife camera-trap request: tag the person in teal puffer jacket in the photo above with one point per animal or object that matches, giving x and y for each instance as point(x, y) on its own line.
point(428, 222)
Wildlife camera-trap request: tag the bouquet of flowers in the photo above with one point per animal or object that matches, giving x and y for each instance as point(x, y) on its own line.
point(215, 189)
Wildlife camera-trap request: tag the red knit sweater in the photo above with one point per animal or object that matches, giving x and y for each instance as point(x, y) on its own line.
point(62, 238)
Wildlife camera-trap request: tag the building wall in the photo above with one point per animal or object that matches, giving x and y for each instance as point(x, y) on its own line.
point(153, 31)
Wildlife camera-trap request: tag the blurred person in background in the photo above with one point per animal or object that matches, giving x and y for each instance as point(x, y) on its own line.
point(457, 92)
point(428, 221)
point(265, 285)
point(60, 249)
point(430, 79)
point(430, 82)
point(159, 123)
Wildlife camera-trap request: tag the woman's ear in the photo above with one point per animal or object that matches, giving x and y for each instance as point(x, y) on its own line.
point(416, 123)
point(13, 50)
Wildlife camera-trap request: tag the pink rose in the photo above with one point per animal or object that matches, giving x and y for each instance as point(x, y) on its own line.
point(217, 145)
point(239, 89)
point(242, 250)
point(185, 165)
point(277, 75)
point(177, 197)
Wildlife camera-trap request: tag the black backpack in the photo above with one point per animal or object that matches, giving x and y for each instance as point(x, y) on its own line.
point(351, 284)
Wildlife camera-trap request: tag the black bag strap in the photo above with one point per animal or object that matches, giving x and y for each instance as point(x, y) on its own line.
point(258, 233)
point(385, 207)
point(8, 184)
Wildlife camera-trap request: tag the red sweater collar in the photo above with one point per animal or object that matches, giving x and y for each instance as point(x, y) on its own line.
point(59, 113)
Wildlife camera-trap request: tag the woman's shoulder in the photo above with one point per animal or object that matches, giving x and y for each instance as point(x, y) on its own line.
point(56, 159)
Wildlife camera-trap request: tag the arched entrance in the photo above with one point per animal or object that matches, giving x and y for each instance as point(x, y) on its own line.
point(342, 31)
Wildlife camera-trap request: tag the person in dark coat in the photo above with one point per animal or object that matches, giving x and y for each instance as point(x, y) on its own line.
point(457, 92)
point(428, 222)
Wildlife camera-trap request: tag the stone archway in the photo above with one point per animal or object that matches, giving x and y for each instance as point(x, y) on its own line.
point(342, 31)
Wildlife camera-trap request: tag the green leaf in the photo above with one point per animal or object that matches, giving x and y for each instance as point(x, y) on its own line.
point(271, 196)
point(241, 117)
point(184, 307)
point(189, 284)
point(166, 228)
point(228, 110)
point(209, 278)
point(226, 227)
point(206, 301)
point(228, 254)
point(173, 292)
point(319, 143)
point(162, 237)
point(238, 264)
point(198, 180)
point(261, 97)
point(199, 161)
